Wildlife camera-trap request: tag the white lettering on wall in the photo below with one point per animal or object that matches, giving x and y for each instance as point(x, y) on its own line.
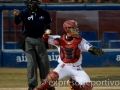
point(118, 58)
point(22, 58)
point(53, 57)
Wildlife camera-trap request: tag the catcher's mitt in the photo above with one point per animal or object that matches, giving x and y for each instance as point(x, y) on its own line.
point(95, 51)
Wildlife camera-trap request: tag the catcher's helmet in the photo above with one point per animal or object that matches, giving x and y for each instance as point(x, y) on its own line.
point(32, 4)
point(71, 27)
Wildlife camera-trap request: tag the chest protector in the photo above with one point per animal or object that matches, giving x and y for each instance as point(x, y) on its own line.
point(69, 51)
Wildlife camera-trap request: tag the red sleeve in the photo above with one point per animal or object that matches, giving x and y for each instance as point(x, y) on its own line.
point(45, 37)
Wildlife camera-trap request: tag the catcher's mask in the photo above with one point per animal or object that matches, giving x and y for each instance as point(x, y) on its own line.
point(71, 28)
point(32, 4)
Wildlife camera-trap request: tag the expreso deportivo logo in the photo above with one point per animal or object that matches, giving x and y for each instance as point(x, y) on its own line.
point(63, 83)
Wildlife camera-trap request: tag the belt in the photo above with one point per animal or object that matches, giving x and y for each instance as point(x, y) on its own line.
point(76, 66)
point(72, 65)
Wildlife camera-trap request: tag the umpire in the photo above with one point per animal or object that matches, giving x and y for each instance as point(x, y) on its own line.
point(35, 21)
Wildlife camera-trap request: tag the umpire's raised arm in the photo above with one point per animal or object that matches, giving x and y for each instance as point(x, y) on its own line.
point(19, 16)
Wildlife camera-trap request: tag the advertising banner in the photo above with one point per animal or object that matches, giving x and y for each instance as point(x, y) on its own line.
point(18, 59)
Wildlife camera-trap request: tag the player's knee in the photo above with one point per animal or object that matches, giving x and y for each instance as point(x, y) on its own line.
point(87, 86)
point(52, 77)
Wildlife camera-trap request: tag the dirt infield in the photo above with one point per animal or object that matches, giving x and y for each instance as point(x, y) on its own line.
point(105, 78)
point(66, 88)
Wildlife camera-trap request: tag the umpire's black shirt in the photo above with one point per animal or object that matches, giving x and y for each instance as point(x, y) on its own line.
point(34, 23)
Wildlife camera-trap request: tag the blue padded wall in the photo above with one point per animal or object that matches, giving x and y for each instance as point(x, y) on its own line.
point(114, 44)
point(1, 62)
point(1, 34)
point(11, 45)
point(88, 35)
point(14, 59)
point(108, 35)
point(18, 59)
point(96, 43)
point(49, 6)
point(103, 7)
point(67, 6)
point(1, 7)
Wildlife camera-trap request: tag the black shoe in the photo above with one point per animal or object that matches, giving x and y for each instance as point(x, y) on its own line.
point(51, 88)
point(31, 87)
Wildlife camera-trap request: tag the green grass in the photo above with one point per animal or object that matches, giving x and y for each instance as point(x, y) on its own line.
point(17, 77)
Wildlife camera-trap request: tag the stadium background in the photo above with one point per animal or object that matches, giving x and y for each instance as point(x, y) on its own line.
point(99, 23)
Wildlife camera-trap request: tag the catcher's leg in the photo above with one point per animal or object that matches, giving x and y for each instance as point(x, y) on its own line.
point(69, 83)
point(87, 86)
point(75, 86)
point(49, 81)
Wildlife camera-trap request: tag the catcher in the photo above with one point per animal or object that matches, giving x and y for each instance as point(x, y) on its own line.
point(70, 47)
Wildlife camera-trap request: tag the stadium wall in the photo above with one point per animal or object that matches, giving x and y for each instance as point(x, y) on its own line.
point(17, 58)
point(1, 25)
point(92, 17)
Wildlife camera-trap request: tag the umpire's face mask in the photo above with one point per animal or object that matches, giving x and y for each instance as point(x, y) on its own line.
point(32, 6)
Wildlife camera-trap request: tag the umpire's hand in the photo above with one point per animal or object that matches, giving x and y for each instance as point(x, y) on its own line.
point(16, 12)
